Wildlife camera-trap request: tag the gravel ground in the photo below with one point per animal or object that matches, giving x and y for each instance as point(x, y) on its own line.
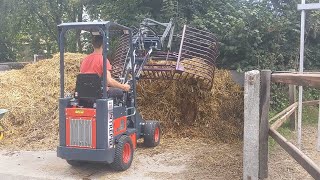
point(173, 159)
point(283, 166)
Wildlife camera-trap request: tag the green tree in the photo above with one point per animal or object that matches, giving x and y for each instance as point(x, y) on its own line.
point(254, 34)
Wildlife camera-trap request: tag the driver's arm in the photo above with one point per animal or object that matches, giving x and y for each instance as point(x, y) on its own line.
point(113, 83)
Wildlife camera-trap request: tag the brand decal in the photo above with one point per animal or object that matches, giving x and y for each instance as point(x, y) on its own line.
point(79, 111)
point(110, 124)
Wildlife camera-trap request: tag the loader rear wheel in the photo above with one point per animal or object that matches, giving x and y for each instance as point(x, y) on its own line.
point(75, 163)
point(151, 133)
point(123, 155)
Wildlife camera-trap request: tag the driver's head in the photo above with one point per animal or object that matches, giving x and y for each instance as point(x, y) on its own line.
point(97, 41)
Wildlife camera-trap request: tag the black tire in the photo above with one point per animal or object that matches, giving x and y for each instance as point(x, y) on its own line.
point(151, 134)
point(124, 145)
point(76, 163)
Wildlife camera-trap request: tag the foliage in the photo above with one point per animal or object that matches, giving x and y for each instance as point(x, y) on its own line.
point(7, 47)
point(279, 97)
point(253, 34)
point(33, 24)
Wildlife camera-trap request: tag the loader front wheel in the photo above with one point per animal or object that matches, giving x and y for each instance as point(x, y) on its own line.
point(151, 133)
point(123, 154)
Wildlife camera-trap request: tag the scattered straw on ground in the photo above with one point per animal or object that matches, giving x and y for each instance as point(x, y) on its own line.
point(31, 95)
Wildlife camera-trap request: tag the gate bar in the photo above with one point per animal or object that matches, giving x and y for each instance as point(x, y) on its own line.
point(311, 167)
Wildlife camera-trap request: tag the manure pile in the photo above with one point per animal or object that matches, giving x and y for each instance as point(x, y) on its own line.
point(31, 96)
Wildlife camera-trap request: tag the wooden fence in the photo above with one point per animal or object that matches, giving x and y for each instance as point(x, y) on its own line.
point(257, 127)
point(18, 65)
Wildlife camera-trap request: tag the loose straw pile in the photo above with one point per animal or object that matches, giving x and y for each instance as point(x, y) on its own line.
point(31, 96)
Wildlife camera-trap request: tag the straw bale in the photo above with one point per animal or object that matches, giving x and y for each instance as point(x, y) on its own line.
point(31, 95)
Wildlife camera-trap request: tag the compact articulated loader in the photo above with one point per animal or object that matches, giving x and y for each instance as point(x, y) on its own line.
point(101, 125)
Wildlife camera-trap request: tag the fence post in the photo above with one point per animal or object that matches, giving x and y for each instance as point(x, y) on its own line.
point(264, 123)
point(35, 58)
point(292, 99)
point(318, 144)
point(251, 125)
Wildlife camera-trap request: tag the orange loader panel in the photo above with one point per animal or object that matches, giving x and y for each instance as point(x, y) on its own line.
point(120, 125)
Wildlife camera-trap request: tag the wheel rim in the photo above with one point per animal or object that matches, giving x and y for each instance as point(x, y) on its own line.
point(156, 134)
point(1, 135)
point(126, 153)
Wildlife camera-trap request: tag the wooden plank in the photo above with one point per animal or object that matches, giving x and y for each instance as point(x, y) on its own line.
point(289, 111)
point(311, 103)
point(264, 123)
point(299, 122)
point(298, 155)
point(283, 119)
point(251, 125)
point(283, 112)
point(305, 72)
point(15, 63)
point(301, 79)
point(310, 6)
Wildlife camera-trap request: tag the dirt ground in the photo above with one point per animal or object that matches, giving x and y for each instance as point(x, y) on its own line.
point(173, 159)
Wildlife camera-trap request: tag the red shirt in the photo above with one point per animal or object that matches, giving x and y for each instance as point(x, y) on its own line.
point(93, 63)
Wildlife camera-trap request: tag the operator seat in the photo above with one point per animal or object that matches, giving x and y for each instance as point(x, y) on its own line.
point(89, 89)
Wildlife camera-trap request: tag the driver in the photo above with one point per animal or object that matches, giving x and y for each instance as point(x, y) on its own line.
point(93, 64)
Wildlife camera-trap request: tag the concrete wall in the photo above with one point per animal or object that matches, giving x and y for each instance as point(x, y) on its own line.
point(4, 67)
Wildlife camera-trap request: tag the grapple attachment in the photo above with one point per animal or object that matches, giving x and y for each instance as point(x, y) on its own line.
point(121, 60)
point(195, 60)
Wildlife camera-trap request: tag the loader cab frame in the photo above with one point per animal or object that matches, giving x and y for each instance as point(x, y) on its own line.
point(104, 29)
